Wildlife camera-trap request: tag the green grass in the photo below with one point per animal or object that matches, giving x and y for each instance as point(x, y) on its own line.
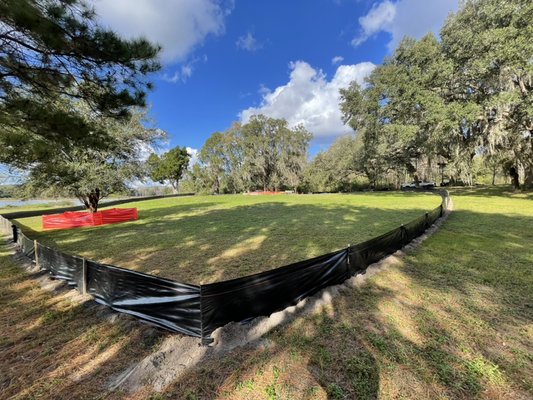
point(453, 321)
point(205, 239)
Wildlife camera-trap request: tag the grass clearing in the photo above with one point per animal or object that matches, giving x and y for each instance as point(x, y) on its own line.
point(204, 239)
point(454, 320)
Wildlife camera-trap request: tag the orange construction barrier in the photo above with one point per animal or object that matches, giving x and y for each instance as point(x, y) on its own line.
point(75, 219)
point(262, 192)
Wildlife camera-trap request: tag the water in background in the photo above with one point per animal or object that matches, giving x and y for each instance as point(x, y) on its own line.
point(19, 203)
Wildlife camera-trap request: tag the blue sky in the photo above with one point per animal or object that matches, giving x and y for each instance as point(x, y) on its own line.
point(224, 61)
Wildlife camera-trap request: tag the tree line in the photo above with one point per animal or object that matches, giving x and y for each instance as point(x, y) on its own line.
point(263, 154)
point(451, 102)
point(458, 107)
point(73, 116)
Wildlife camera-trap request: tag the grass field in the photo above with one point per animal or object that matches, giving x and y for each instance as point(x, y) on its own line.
point(453, 321)
point(204, 239)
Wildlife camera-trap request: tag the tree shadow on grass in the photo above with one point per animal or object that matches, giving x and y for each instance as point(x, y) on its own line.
point(203, 245)
point(501, 191)
point(450, 322)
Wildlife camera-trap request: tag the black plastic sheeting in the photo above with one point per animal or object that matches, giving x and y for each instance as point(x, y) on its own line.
point(165, 303)
point(25, 244)
point(270, 291)
point(61, 265)
point(373, 250)
point(199, 310)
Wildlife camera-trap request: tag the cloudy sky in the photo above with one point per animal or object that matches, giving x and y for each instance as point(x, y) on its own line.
point(225, 60)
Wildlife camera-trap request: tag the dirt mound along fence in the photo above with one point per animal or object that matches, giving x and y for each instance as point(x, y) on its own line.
point(198, 310)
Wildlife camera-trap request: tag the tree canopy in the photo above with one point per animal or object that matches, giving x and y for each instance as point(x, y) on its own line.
point(446, 102)
point(90, 174)
point(169, 167)
point(262, 154)
point(53, 54)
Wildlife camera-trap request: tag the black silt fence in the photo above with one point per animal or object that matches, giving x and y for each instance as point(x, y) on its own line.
point(270, 291)
point(199, 310)
point(61, 265)
point(26, 244)
point(163, 302)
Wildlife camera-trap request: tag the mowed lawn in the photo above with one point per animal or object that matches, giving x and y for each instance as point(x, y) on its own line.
point(202, 239)
point(453, 321)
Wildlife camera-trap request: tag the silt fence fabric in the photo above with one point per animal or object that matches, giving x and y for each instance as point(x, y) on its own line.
point(163, 302)
point(61, 265)
point(270, 291)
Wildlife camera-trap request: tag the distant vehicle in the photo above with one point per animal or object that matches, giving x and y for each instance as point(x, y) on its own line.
point(406, 185)
point(421, 185)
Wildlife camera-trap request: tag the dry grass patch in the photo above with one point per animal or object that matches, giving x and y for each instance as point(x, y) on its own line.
point(53, 346)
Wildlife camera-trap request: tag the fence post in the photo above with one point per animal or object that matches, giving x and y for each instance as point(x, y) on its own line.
point(84, 276)
point(403, 235)
point(15, 233)
point(35, 245)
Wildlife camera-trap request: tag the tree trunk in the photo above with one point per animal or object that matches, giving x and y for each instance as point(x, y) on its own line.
point(90, 201)
point(513, 173)
point(174, 185)
point(494, 176)
point(528, 179)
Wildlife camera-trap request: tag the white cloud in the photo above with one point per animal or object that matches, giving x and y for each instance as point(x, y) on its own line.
point(184, 72)
point(178, 26)
point(412, 18)
point(378, 18)
point(193, 154)
point(248, 42)
point(174, 78)
point(337, 60)
point(310, 99)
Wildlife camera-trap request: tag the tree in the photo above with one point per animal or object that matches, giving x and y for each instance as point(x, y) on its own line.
point(490, 44)
point(52, 55)
point(263, 153)
point(213, 156)
point(454, 99)
point(273, 153)
point(339, 168)
point(169, 167)
point(90, 174)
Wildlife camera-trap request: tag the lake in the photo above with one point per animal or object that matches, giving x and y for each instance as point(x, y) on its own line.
point(18, 203)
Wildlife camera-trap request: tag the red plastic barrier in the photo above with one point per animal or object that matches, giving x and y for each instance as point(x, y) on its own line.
point(75, 219)
point(261, 192)
point(115, 215)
